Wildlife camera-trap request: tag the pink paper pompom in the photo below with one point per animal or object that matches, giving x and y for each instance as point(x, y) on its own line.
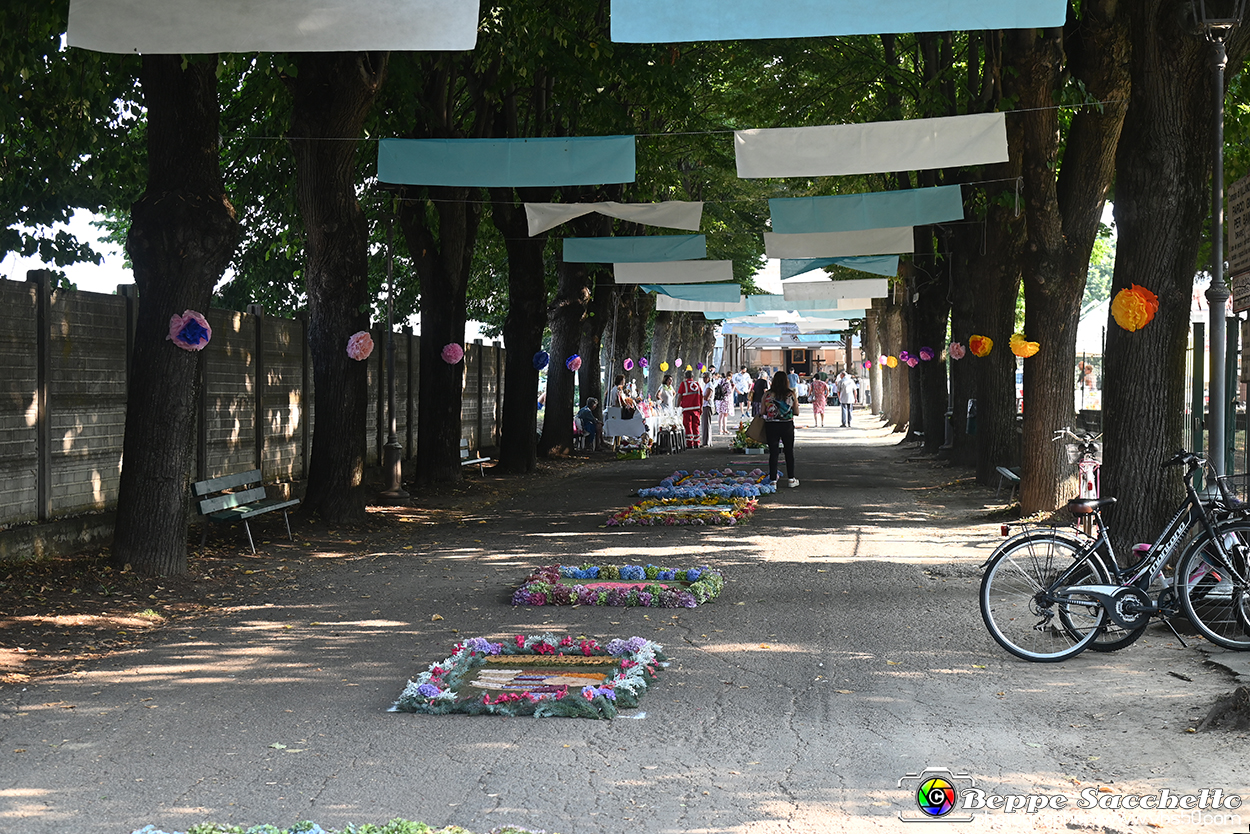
point(573, 363)
point(629, 364)
point(958, 351)
point(190, 331)
point(360, 346)
point(452, 353)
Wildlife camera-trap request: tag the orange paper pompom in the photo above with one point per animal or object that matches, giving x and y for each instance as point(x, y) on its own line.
point(1023, 348)
point(980, 345)
point(892, 361)
point(1134, 307)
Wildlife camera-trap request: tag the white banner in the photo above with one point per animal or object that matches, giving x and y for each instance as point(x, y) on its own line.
point(859, 288)
point(872, 148)
point(674, 272)
point(164, 27)
point(840, 244)
point(674, 214)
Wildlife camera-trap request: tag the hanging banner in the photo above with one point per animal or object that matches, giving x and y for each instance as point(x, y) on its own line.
point(507, 163)
point(878, 210)
point(840, 244)
point(197, 27)
point(765, 303)
point(855, 288)
point(658, 21)
point(724, 293)
point(872, 148)
point(875, 264)
point(634, 249)
point(674, 272)
point(674, 214)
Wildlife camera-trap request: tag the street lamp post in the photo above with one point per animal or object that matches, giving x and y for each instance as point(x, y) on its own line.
point(392, 452)
point(1217, 30)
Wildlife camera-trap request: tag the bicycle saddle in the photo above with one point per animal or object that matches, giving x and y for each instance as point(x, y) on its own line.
point(1085, 506)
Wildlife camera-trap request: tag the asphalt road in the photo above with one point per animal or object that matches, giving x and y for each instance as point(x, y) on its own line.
point(845, 653)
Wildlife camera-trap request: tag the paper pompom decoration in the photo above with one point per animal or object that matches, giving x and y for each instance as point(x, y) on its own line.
point(883, 359)
point(677, 364)
point(867, 366)
point(958, 351)
point(927, 354)
point(1134, 308)
point(699, 366)
point(891, 361)
point(190, 331)
point(912, 361)
point(1022, 347)
point(643, 363)
point(573, 363)
point(360, 345)
point(541, 360)
point(980, 345)
point(452, 353)
point(904, 356)
point(663, 366)
point(628, 364)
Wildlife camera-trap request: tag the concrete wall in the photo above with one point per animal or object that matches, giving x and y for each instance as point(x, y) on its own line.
point(63, 360)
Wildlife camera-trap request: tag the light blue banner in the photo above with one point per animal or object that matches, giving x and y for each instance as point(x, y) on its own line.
point(859, 212)
point(507, 163)
point(728, 293)
point(710, 316)
point(777, 303)
point(876, 264)
point(634, 249)
point(665, 21)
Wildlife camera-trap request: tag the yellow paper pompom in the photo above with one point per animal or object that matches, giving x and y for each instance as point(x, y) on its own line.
point(980, 345)
point(1022, 347)
point(663, 366)
point(1134, 308)
point(892, 361)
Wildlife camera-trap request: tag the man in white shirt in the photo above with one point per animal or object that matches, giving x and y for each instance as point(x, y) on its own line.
point(742, 385)
point(846, 395)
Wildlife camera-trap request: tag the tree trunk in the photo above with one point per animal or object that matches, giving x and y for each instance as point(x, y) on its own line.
point(964, 240)
point(332, 94)
point(182, 235)
point(1163, 168)
point(642, 305)
point(522, 332)
point(442, 259)
point(565, 318)
point(931, 314)
point(872, 352)
point(661, 345)
point(598, 315)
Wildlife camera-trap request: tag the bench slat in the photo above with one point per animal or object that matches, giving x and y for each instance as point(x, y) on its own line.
point(226, 482)
point(233, 499)
point(250, 510)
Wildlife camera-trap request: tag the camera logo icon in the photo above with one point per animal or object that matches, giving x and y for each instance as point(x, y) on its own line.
point(936, 792)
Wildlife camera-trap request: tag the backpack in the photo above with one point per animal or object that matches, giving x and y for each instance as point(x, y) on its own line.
point(722, 390)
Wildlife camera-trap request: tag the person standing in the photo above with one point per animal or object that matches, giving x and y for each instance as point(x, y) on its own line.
point(793, 379)
point(846, 396)
point(721, 398)
point(742, 384)
point(819, 394)
point(758, 387)
point(705, 426)
point(778, 409)
point(690, 398)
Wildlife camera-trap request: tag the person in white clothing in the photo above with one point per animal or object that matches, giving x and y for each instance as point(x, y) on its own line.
point(846, 396)
point(742, 384)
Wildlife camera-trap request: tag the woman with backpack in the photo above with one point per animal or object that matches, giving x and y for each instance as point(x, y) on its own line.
point(778, 409)
point(721, 400)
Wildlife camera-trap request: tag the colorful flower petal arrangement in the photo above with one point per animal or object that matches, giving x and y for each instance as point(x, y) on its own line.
point(621, 586)
point(741, 441)
point(190, 331)
point(667, 512)
point(541, 676)
point(980, 345)
point(1022, 347)
point(398, 825)
point(724, 483)
point(1134, 308)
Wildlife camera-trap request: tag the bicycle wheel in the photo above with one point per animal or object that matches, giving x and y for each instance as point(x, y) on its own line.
point(1079, 619)
point(1017, 603)
point(1214, 599)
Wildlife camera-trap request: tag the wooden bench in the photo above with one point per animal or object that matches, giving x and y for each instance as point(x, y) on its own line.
point(233, 498)
point(467, 459)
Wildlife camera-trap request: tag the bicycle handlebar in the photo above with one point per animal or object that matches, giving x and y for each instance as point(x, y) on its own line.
point(1184, 458)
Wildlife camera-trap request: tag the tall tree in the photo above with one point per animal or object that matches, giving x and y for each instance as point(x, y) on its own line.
point(1163, 171)
point(332, 95)
point(182, 234)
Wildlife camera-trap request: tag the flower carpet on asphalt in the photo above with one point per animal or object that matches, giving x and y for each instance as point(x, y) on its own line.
point(620, 585)
point(542, 676)
point(674, 511)
point(722, 483)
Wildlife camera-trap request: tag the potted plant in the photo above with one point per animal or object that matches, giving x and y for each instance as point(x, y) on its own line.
point(745, 445)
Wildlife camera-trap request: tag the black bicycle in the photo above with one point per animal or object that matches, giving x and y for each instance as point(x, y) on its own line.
point(1047, 595)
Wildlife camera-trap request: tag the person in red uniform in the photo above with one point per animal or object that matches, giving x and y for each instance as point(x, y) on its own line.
point(690, 398)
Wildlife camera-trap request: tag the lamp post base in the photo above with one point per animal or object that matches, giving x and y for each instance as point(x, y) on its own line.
point(392, 467)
